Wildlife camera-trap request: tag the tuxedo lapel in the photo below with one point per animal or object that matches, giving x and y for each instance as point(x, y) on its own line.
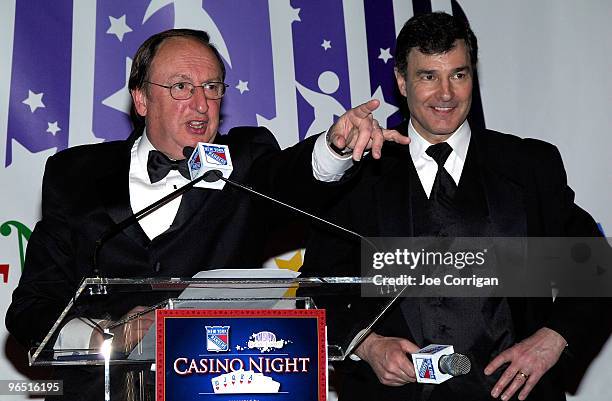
point(114, 192)
point(504, 198)
point(392, 195)
point(504, 195)
point(194, 200)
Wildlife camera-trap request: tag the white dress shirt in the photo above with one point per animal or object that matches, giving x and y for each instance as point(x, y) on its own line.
point(427, 167)
point(143, 192)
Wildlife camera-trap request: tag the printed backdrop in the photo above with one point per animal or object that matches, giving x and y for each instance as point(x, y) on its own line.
point(293, 66)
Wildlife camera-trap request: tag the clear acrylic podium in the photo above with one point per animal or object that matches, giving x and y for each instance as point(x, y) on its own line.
point(122, 306)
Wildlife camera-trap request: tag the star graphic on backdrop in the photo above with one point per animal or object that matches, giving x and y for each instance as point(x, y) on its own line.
point(242, 86)
point(53, 128)
point(121, 100)
point(34, 100)
point(326, 44)
point(118, 27)
point(296, 14)
point(293, 263)
point(385, 54)
point(384, 111)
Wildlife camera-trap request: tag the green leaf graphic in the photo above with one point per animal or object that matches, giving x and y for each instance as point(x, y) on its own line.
point(22, 232)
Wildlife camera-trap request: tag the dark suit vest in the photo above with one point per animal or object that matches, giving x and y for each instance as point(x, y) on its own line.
point(477, 327)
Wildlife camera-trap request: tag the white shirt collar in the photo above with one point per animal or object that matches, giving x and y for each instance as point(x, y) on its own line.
point(427, 168)
point(459, 141)
point(143, 148)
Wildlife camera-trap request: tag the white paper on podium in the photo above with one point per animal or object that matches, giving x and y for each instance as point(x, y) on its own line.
point(258, 273)
point(146, 349)
point(226, 291)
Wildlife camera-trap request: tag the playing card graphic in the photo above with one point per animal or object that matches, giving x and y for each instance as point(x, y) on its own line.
point(244, 382)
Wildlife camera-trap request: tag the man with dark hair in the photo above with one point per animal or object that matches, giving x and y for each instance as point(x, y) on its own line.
point(436, 34)
point(176, 83)
point(456, 181)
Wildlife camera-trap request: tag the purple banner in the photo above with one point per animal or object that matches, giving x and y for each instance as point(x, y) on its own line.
point(39, 105)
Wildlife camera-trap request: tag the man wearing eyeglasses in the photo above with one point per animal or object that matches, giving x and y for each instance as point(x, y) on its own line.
point(176, 83)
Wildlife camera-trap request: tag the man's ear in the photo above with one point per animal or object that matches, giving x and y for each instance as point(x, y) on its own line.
point(140, 101)
point(401, 81)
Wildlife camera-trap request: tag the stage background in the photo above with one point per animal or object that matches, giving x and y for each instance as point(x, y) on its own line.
point(294, 66)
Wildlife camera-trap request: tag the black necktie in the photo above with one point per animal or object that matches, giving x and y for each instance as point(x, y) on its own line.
point(159, 165)
point(444, 186)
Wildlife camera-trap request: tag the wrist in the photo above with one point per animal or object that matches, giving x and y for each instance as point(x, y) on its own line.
point(363, 350)
point(559, 339)
point(340, 152)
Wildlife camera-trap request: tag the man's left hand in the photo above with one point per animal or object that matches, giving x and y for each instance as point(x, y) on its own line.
point(529, 360)
point(359, 131)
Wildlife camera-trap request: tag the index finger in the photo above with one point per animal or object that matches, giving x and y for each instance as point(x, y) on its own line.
point(405, 367)
point(409, 371)
point(365, 109)
point(365, 132)
point(496, 363)
point(409, 348)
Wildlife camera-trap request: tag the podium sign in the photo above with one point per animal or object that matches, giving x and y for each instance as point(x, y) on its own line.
point(230, 355)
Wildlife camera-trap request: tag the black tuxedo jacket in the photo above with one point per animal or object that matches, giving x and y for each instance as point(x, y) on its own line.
point(85, 191)
point(526, 195)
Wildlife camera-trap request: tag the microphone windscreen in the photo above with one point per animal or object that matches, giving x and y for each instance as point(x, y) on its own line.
point(187, 151)
point(455, 364)
point(212, 176)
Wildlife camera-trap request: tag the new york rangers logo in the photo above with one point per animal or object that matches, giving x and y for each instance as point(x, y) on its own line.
point(426, 370)
point(215, 155)
point(217, 338)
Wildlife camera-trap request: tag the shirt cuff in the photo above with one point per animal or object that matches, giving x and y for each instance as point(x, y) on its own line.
point(327, 165)
point(361, 336)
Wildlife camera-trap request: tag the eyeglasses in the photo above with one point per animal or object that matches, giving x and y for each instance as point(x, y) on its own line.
point(185, 90)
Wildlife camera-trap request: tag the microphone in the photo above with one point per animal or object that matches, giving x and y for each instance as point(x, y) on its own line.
point(455, 364)
point(206, 157)
point(437, 363)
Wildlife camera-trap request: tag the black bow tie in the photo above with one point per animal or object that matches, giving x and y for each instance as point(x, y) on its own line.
point(159, 165)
